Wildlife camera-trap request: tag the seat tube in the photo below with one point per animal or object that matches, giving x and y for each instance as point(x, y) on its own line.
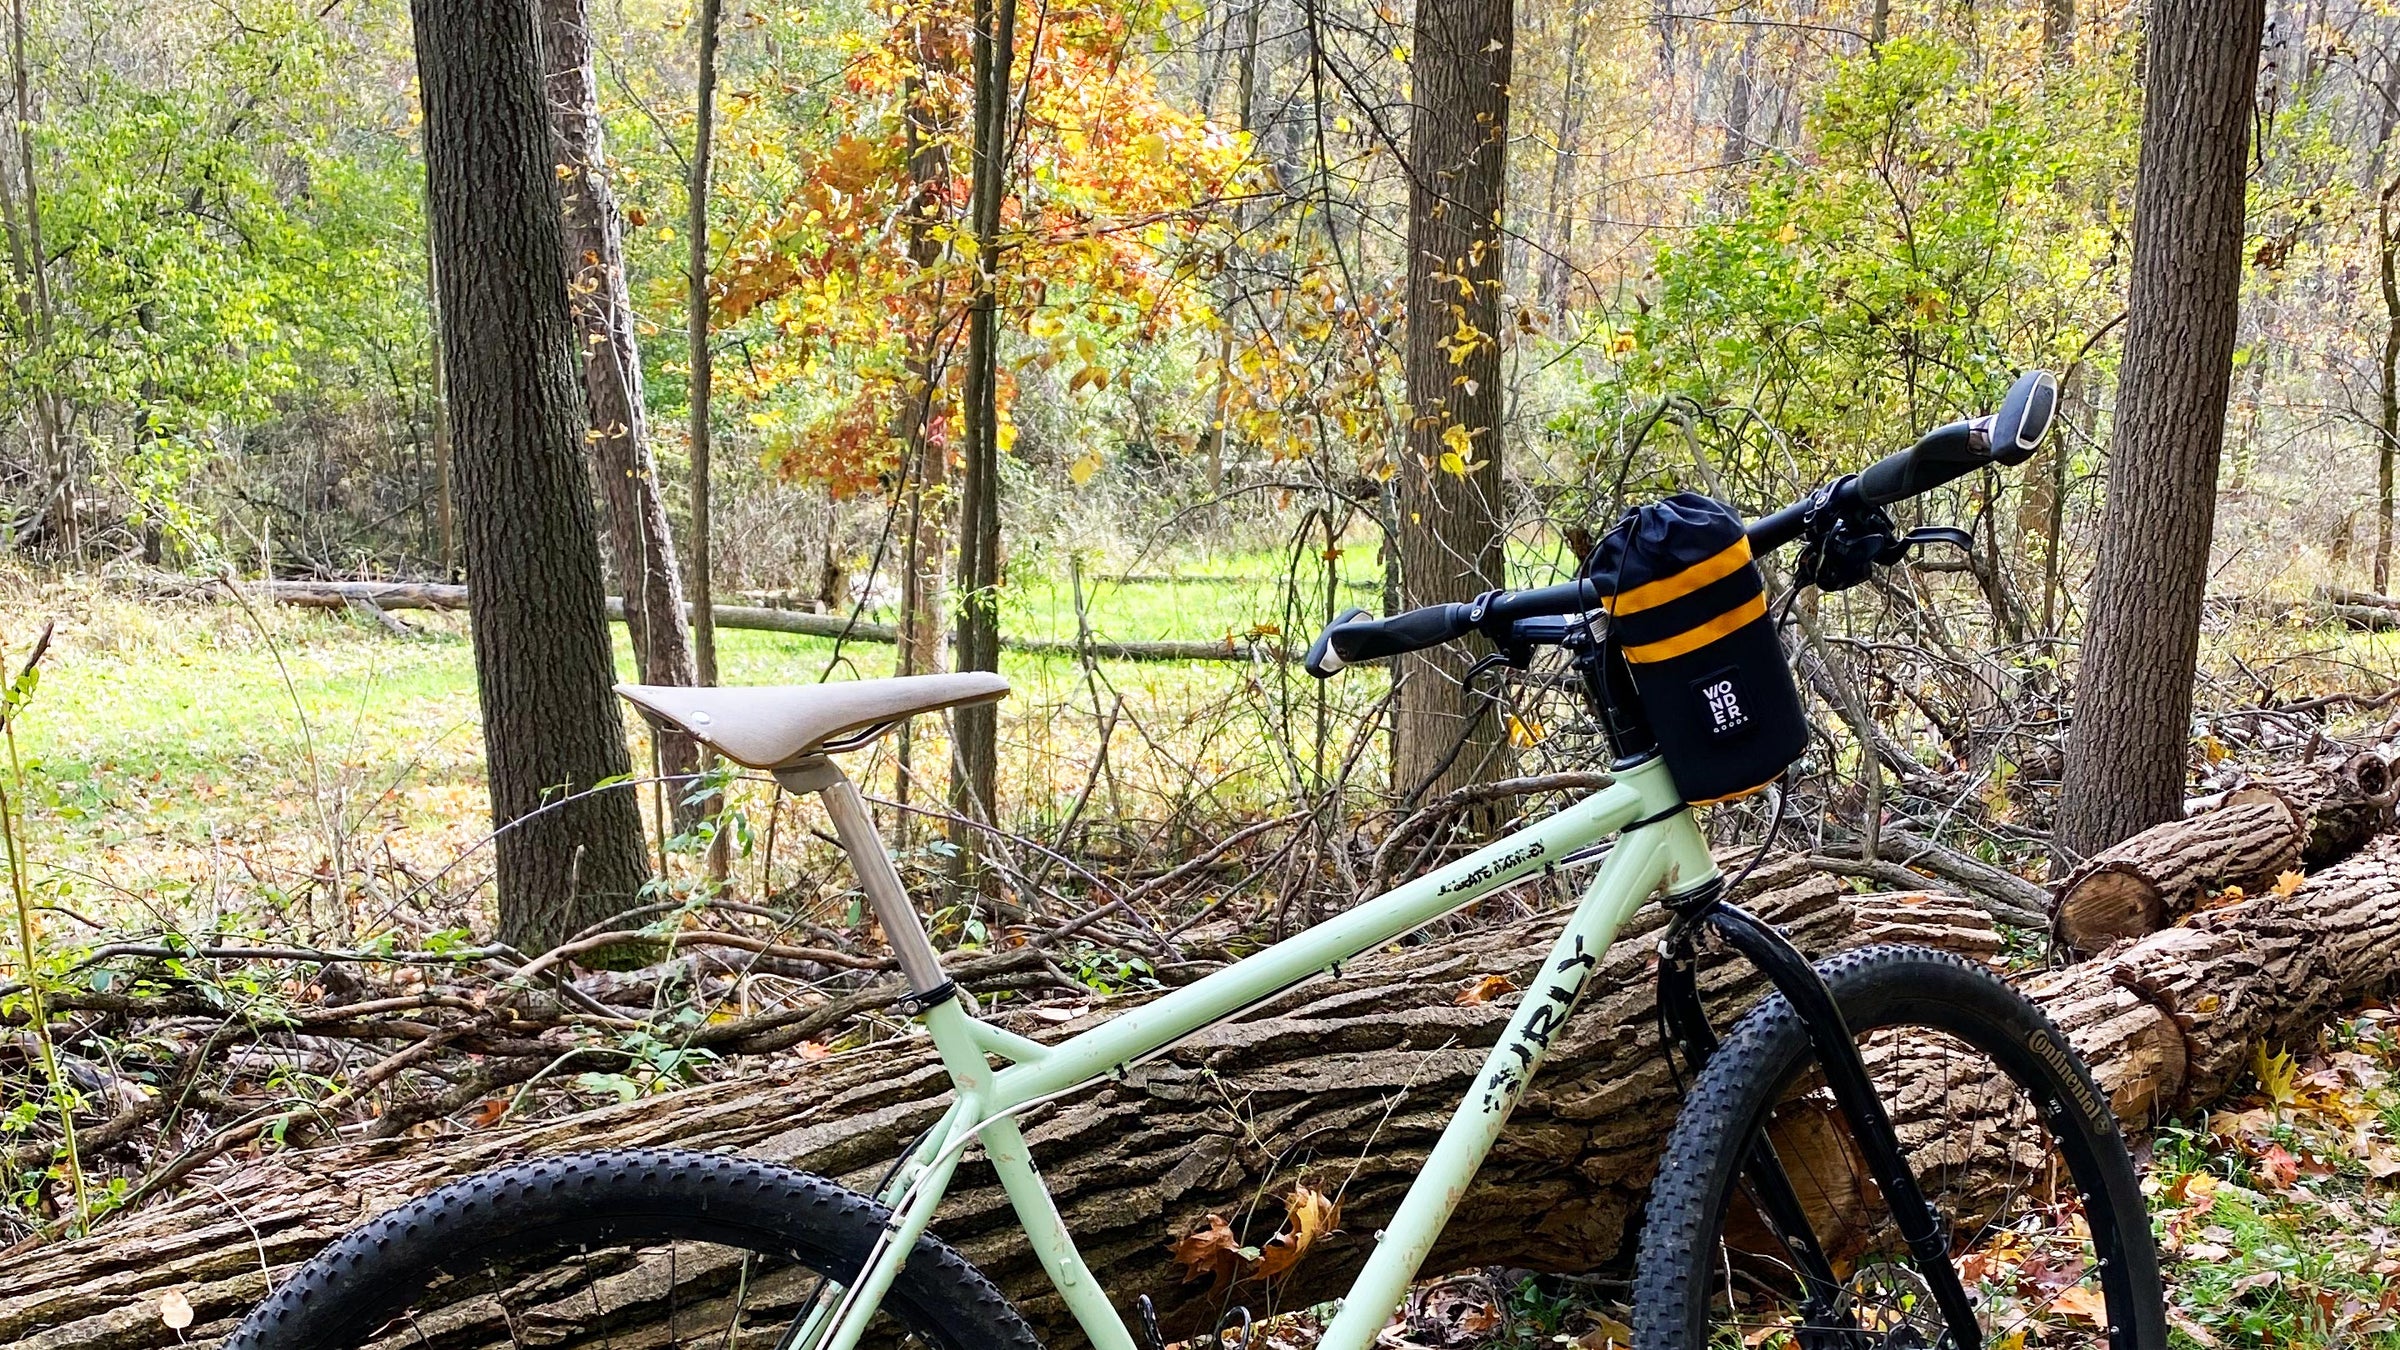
point(877, 876)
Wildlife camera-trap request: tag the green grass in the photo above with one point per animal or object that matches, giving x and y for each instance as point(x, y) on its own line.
point(183, 755)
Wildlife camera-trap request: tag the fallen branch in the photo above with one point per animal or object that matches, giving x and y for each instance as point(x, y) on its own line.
point(381, 596)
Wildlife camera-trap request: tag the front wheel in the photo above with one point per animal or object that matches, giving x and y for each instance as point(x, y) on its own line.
point(2013, 1145)
point(653, 1248)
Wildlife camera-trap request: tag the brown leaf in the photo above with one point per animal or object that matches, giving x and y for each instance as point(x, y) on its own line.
point(2278, 1168)
point(2083, 1303)
point(1210, 1250)
point(1485, 990)
point(1308, 1214)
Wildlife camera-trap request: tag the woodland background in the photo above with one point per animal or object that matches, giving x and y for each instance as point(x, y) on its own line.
point(1112, 370)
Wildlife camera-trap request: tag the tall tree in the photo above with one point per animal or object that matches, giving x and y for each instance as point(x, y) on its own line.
point(1450, 524)
point(976, 730)
point(704, 590)
point(925, 498)
point(551, 727)
point(2131, 738)
point(593, 232)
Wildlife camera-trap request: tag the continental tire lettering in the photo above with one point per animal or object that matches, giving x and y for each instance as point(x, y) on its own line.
point(2061, 1059)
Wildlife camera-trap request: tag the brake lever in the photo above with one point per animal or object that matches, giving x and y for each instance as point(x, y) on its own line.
point(1938, 534)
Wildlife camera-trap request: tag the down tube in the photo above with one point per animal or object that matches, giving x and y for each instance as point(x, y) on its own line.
point(1626, 880)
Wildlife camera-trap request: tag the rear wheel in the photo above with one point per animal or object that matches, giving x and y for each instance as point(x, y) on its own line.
point(2014, 1147)
point(638, 1250)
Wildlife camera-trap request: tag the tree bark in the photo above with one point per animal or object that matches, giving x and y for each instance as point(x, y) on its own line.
point(2127, 749)
point(1376, 1054)
point(639, 537)
point(926, 500)
point(975, 730)
point(2387, 422)
point(2341, 804)
point(1450, 522)
point(2296, 816)
point(543, 670)
point(704, 630)
point(2143, 884)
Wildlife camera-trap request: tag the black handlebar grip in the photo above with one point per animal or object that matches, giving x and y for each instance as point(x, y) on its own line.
point(1953, 451)
point(1354, 637)
point(2024, 417)
point(1408, 631)
point(1321, 660)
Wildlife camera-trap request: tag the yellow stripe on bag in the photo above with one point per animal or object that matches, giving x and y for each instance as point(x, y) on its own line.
point(1652, 594)
point(1733, 796)
point(1694, 638)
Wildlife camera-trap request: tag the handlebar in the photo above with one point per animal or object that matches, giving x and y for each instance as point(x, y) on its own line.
point(2008, 436)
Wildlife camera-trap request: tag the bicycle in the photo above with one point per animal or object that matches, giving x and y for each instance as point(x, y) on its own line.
point(1740, 1244)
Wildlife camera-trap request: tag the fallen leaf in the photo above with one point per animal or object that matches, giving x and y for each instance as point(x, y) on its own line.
point(2278, 1168)
point(1611, 1334)
point(1308, 1214)
point(1210, 1250)
point(2082, 1302)
point(1485, 990)
point(2287, 883)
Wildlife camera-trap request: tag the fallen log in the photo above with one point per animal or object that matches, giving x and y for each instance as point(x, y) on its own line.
point(2344, 595)
point(383, 596)
point(2342, 805)
point(2295, 816)
point(1380, 1053)
point(2146, 882)
point(1341, 1082)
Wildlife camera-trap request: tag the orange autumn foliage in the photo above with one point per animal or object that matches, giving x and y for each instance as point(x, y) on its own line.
point(858, 279)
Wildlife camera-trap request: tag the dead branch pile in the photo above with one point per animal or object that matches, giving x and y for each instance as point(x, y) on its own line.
point(1382, 1049)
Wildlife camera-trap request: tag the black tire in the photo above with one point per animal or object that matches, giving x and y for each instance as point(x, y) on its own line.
point(1913, 1010)
point(522, 1233)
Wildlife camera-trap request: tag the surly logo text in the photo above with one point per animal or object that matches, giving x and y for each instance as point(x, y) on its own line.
point(1565, 982)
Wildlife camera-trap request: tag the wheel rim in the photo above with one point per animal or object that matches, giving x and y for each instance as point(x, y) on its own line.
point(2011, 1185)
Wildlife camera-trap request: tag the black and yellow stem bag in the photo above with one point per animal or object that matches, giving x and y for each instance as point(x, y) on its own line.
point(1689, 610)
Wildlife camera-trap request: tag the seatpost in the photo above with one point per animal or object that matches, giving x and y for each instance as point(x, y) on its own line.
point(876, 874)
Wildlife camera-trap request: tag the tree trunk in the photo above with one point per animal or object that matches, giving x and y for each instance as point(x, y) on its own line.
point(2387, 422)
point(639, 538)
point(976, 730)
point(1450, 508)
point(542, 663)
point(1380, 1051)
point(2058, 26)
point(704, 629)
point(2297, 816)
point(55, 451)
point(2127, 749)
point(925, 523)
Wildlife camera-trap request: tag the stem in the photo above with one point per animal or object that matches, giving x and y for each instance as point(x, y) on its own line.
point(12, 699)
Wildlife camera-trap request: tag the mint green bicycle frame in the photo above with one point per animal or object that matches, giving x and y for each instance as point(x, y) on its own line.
point(1660, 849)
